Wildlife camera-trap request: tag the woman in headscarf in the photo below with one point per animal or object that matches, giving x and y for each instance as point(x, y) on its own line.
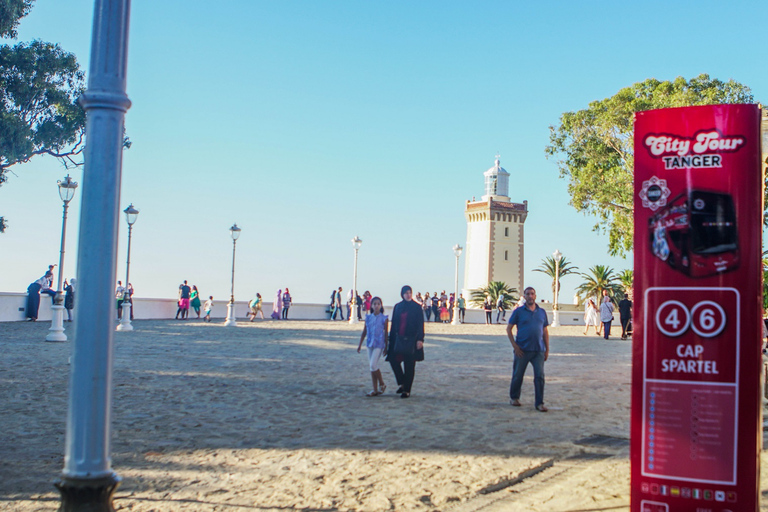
point(33, 297)
point(277, 306)
point(69, 300)
point(406, 340)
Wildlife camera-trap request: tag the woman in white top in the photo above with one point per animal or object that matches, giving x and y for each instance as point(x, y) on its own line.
point(606, 315)
point(590, 316)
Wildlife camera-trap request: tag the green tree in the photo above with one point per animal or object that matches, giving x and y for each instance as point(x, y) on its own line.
point(597, 279)
point(626, 278)
point(548, 267)
point(39, 87)
point(595, 146)
point(494, 289)
point(11, 12)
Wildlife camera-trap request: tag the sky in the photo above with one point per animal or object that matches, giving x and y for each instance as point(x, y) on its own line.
point(308, 123)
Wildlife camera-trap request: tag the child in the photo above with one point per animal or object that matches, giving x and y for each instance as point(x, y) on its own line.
point(208, 306)
point(375, 334)
point(255, 306)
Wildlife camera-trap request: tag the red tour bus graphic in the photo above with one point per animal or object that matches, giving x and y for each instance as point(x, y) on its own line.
point(696, 233)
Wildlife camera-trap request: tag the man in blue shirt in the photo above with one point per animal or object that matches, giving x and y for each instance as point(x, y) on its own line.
point(531, 345)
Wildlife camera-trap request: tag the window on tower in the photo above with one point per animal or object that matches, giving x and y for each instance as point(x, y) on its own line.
point(506, 255)
point(506, 231)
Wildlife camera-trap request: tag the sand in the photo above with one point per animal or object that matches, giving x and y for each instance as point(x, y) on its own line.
point(273, 416)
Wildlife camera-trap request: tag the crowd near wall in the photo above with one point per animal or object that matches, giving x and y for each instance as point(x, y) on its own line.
point(12, 310)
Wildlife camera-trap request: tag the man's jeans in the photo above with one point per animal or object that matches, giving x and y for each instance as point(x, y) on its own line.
point(518, 372)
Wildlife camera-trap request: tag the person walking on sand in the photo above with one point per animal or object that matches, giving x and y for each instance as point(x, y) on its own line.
point(194, 300)
point(184, 292)
point(625, 315)
point(277, 306)
point(500, 310)
point(435, 307)
point(406, 341)
point(488, 308)
point(255, 306)
point(337, 305)
point(375, 336)
point(531, 345)
point(606, 315)
point(425, 305)
point(207, 307)
point(590, 316)
point(286, 304)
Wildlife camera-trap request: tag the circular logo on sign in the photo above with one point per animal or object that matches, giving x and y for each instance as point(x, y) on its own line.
point(698, 204)
point(654, 193)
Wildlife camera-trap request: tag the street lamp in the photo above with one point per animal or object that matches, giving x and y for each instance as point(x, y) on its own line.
point(131, 214)
point(457, 249)
point(356, 243)
point(67, 189)
point(557, 255)
point(231, 322)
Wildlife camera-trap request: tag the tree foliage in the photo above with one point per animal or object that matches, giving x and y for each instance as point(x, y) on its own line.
point(39, 87)
point(595, 146)
point(494, 289)
point(11, 12)
point(626, 278)
point(549, 268)
point(597, 279)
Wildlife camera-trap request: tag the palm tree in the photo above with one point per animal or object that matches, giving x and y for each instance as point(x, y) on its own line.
point(599, 278)
point(548, 267)
point(626, 278)
point(494, 289)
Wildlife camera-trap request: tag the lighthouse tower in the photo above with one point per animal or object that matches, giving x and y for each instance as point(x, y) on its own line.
point(494, 235)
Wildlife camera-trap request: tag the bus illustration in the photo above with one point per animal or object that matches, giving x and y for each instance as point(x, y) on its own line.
point(696, 233)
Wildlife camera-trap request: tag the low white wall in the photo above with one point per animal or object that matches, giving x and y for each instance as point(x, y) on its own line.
point(12, 309)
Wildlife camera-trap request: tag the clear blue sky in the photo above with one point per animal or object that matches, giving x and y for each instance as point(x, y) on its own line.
point(308, 123)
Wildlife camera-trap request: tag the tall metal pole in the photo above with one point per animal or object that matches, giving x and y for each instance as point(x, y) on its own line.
point(353, 309)
point(88, 481)
point(125, 317)
point(231, 321)
point(456, 295)
point(56, 332)
point(555, 307)
point(457, 249)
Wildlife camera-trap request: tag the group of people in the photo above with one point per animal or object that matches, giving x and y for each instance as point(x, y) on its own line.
point(440, 307)
point(401, 343)
point(44, 285)
point(280, 306)
point(124, 294)
point(353, 301)
point(601, 318)
point(501, 308)
point(189, 297)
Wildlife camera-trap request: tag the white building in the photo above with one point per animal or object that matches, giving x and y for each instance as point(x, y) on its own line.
point(494, 235)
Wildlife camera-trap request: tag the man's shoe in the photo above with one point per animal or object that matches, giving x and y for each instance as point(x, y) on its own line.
point(514, 402)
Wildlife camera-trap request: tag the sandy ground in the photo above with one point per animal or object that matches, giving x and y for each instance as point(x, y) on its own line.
point(272, 416)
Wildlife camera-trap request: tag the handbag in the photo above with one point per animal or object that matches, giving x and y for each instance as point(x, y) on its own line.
point(404, 346)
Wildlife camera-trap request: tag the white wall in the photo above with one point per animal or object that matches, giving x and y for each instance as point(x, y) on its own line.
point(12, 310)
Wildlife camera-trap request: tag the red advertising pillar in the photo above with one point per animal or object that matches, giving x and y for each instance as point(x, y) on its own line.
point(696, 360)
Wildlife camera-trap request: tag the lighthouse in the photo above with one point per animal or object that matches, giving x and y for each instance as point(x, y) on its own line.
point(495, 236)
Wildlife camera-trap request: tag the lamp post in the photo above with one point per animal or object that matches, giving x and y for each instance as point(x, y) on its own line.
point(557, 255)
point(67, 189)
point(457, 249)
point(231, 322)
point(88, 481)
point(356, 243)
point(131, 214)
